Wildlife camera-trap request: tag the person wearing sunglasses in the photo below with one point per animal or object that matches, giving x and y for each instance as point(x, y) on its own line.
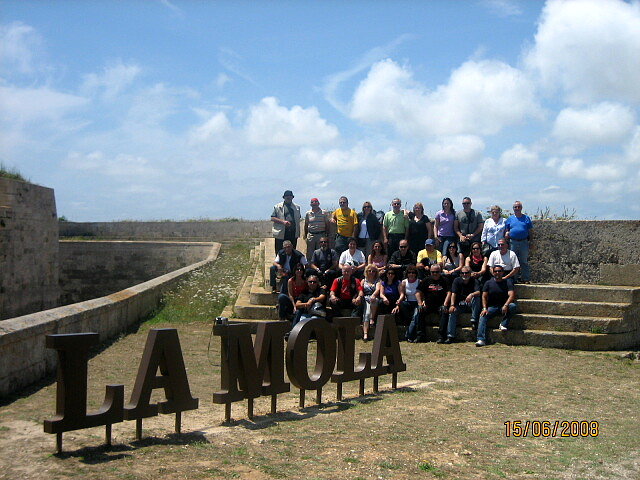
point(402, 258)
point(468, 226)
point(465, 297)
point(346, 220)
point(325, 262)
point(498, 297)
point(311, 303)
point(433, 296)
point(316, 226)
point(369, 228)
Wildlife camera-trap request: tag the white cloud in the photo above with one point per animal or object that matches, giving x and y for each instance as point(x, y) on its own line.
point(632, 150)
point(112, 80)
point(122, 165)
point(215, 127)
point(270, 124)
point(460, 148)
point(519, 156)
point(482, 173)
point(576, 168)
point(23, 105)
point(358, 157)
point(408, 186)
point(602, 124)
point(222, 79)
point(481, 97)
point(589, 49)
point(503, 8)
point(19, 44)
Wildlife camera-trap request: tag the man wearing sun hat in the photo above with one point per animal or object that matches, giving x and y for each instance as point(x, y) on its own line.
point(286, 221)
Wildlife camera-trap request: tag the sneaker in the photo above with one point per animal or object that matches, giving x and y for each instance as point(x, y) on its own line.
point(474, 325)
point(503, 328)
point(448, 341)
point(441, 340)
point(274, 290)
point(480, 343)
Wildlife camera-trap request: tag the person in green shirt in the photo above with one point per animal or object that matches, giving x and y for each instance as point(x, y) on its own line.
point(394, 226)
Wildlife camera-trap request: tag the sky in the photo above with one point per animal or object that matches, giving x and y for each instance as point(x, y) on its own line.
point(151, 110)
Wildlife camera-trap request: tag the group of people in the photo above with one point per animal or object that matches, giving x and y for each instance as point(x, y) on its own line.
point(401, 263)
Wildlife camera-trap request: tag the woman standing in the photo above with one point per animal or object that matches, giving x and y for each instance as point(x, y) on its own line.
point(492, 231)
point(378, 257)
point(370, 287)
point(444, 221)
point(420, 228)
point(369, 228)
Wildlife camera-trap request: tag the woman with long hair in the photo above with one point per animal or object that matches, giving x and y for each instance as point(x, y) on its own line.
point(477, 262)
point(389, 293)
point(370, 287)
point(444, 221)
point(378, 257)
point(452, 262)
point(296, 286)
point(370, 228)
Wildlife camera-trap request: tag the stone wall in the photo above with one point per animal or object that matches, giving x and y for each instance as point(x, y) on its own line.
point(22, 340)
point(585, 251)
point(187, 231)
point(28, 248)
point(91, 269)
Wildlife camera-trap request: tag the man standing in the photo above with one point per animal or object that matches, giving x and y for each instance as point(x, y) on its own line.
point(498, 296)
point(506, 258)
point(394, 226)
point(286, 221)
point(346, 220)
point(325, 262)
point(433, 296)
point(402, 258)
point(518, 232)
point(468, 226)
point(465, 297)
point(284, 264)
point(316, 225)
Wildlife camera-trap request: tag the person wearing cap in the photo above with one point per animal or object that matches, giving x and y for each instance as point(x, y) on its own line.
point(286, 221)
point(316, 226)
point(428, 256)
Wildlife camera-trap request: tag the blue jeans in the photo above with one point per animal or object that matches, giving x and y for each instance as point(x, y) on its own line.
point(521, 249)
point(416, 327)
point(285, 307)
point(474, 307)
point(299, 316)
point(492, 312)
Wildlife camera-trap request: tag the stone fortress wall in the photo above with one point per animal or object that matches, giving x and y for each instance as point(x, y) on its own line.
point(28, 248)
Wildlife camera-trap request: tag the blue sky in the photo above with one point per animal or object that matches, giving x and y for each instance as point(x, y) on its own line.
point(169, 109)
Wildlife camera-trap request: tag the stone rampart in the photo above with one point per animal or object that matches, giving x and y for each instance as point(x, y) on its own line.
point(187, 231)
point(91, 269)
point(28, 248)
point(585, 251)
point(22, 339)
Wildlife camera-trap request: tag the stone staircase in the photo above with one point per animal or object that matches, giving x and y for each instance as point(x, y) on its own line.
point(581, 317)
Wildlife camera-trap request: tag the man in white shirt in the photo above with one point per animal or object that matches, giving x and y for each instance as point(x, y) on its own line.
point(506, 258)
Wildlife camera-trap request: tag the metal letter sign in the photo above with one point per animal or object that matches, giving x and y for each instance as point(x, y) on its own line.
point(249, 370)
point(71, 391)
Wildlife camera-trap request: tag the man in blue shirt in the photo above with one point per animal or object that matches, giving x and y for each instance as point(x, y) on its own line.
point(518, 232)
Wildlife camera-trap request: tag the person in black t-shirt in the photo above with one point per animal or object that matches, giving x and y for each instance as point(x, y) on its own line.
point(325, 263)
point(498, 296)
point(465, 297)
point(432, 296)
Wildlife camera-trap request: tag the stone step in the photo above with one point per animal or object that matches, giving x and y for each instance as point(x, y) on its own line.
point(572, 307)
point(587, 293)
point(566, 323)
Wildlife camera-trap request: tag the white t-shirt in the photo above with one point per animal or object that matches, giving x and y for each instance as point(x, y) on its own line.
point(356, 260)
point(508, 261)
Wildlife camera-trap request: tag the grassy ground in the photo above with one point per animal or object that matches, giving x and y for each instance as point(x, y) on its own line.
point(447, 420)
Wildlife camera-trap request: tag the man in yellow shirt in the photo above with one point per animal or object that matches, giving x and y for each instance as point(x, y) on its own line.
point(346, 220)
point(427, 257)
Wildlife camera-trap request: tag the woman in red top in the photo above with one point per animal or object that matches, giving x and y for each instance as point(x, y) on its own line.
point(296, 286)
